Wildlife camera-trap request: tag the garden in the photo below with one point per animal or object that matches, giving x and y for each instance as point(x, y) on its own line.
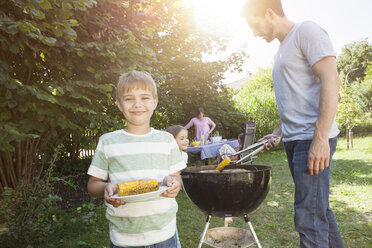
point(59, 64)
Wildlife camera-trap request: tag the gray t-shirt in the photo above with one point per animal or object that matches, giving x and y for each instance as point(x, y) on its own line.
point(297, 88)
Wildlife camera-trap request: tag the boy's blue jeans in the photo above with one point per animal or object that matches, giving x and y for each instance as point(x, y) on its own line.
point(170, 243)
point(314, 220)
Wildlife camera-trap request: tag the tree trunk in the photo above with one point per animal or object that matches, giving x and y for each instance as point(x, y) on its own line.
point(351, 138)
point(22, 163)
point(347, 137)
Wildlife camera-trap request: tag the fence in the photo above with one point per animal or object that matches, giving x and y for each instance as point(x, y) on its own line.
point(81, 146)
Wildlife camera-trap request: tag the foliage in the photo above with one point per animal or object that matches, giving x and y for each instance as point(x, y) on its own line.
point(32, 216)
point(60, 62)
point(364, 90)
point(261, 79)
point(355, 55)
point(57, 62)
point(186, 82)
point(257, 101)
point(349, 112)
point(355, 95)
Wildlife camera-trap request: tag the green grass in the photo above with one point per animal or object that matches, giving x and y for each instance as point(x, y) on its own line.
point(350, 199)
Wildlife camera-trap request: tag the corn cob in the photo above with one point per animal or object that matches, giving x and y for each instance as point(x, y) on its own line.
point(222, 165)
point(138, 187)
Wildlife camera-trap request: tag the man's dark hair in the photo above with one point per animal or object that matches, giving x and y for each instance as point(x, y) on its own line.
point(259, 7)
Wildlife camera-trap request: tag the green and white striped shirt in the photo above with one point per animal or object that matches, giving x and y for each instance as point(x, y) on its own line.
point(122, 156)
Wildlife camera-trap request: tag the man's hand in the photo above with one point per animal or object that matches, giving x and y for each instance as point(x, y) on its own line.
point(318, 158)
point(272, 142)
point(174, 184)
point(110, 190)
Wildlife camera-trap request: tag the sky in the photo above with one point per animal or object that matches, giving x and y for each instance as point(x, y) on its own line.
point(346, 21)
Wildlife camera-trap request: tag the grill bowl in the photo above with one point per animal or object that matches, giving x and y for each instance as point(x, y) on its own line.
point(236, 191)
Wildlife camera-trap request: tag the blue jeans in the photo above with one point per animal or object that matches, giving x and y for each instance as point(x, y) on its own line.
point(170, 243)
point(314, 220)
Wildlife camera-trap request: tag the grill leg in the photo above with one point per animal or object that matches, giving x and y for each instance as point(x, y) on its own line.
point(205, 230)
point(246, 218)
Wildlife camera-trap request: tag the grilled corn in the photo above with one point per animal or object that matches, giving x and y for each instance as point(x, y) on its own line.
point(138, 187)
point(222, 165)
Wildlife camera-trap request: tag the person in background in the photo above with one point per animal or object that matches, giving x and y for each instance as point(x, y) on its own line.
point(306, 85)
point(180, 134)
point(226, 149)
point(133, 153)
point(201, 124)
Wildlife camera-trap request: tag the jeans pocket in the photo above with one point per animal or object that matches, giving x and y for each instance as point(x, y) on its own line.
point(300, 161)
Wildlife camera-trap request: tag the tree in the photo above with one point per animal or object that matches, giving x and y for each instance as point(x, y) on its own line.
point(355, 94)
point(186, 82)
point(60, 61)
point(349, 113)
point(355, 55)
point(257, 101)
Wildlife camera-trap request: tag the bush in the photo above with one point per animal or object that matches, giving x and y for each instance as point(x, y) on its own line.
point(260, 106)
point(30, 213)
point(30, 216)
point(67, 167)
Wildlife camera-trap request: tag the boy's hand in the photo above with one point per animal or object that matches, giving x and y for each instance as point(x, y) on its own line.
point(174, 185)
point(110, 190)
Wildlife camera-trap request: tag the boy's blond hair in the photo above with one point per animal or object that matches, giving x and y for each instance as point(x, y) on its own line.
point(135, 80)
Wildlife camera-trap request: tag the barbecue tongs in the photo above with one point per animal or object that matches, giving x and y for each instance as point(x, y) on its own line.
point(227, 160)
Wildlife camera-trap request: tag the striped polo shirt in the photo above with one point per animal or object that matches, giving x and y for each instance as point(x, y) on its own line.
point(121, 156)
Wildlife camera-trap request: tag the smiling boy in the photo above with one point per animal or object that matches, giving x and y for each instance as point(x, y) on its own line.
point(133, 153)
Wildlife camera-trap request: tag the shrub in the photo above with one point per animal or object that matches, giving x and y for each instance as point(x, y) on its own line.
point(260, 106)
point(30, 216)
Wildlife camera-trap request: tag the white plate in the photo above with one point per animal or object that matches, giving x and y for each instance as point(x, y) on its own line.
point(141, 197)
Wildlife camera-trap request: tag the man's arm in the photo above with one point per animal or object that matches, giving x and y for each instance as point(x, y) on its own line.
point(277, 133)
point(319, 151)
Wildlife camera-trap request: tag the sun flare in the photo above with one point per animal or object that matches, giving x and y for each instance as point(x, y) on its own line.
point(214, 15)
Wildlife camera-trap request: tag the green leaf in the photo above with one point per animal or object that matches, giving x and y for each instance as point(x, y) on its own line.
point(6, 115)
point(70, 32)
point(80, 53)
point(90, 69)
point(107, 87)
point(57, 32)
point(12, 103)
point(45, 4)
point(37, 13)
point(73, 22)
point(49, 41)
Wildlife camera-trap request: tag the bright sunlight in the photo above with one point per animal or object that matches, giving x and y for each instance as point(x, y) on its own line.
point(214, 15)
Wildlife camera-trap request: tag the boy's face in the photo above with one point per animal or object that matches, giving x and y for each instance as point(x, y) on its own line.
point(137, 105)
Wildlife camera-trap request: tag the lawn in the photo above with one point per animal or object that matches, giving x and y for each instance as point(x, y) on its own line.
point(350, 199)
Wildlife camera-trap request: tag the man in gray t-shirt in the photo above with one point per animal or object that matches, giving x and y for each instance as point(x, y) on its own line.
point(306, 85)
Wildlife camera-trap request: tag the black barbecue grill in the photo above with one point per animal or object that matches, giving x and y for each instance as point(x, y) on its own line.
point(234, 192)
